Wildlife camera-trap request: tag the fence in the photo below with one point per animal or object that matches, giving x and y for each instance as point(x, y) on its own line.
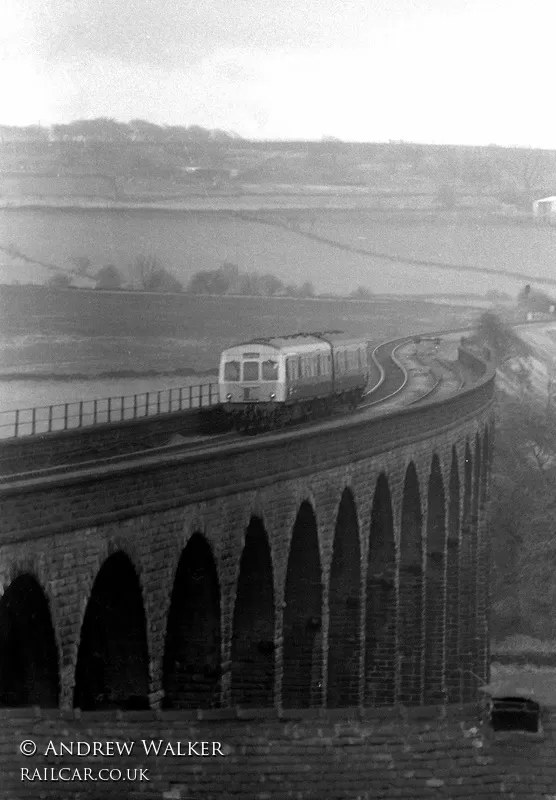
point(82, 413)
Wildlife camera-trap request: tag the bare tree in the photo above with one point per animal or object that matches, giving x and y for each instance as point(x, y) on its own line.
point(108, 277)
point(82, 264)
point(144, 270)
point(500, 338)
point(530, 168)
point(150, 276)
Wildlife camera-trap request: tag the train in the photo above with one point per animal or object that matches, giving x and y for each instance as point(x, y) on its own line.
point(271, 382)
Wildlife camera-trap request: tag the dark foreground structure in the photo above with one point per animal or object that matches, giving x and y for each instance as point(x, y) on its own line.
point(315, 601)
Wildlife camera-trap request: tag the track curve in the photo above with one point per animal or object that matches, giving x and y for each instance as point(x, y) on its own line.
point(393, 376)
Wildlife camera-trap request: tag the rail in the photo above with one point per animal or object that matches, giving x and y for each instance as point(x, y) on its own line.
point(84, 413)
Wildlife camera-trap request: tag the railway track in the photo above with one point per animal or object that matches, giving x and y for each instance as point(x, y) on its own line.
point(392, 379)
point(393, 376)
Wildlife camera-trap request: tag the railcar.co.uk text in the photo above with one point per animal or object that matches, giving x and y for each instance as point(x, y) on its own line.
point(107, 749)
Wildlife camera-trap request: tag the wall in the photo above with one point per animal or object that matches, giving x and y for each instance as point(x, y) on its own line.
point(389, 753)
point(104, 440)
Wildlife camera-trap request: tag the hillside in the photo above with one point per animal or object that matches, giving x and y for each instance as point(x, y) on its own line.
point(122, 163)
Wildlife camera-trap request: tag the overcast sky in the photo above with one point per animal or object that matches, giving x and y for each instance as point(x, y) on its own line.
point(453, 71)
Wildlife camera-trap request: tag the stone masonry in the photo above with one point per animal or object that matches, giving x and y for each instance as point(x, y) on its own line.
point(342, 566)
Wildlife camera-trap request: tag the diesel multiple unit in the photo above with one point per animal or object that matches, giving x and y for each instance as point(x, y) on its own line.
point(273, 381)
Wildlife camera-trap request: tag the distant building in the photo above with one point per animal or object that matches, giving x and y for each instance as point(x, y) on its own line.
point(545, 208)
point(209, 174)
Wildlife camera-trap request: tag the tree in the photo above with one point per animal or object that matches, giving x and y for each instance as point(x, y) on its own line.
point(529, 167)
point(146, 131)
point(306, 289)
point(500, 338)
point(209, 282)
point(523, 519)
point(361, 293)
point(166, 281)
point(144, 268)
point(151, 276)
point(82, 264)
point(523, 295)
point(108, 278)
point(61, 280)
point(270, 285)
point(230, 271)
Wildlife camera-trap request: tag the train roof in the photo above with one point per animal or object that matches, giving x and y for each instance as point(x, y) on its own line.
point(301, 341)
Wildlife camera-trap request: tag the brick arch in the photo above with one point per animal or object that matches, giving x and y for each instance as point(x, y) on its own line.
point(192, 524)
point(302, 618)
point(21, 565)
point(29, 661)
point(435, 587)
point(191, 662)
point(104, 550)
point(380, 616)
point(112, 669)
point(453, 677)
point(311, 495)
point(344, 603)
point(410, 592)
point(253, 639)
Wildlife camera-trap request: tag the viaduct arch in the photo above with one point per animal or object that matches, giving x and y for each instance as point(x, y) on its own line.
point(338, 566)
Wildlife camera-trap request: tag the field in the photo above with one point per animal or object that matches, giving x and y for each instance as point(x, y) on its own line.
point(187, 242)
point(524, 666)
point(57, 338)
point(537, 683)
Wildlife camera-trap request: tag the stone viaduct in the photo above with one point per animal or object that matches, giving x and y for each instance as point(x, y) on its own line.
point(341, 566)
point(344, 565)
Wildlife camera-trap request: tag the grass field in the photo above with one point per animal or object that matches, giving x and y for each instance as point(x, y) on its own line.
point(538, 683)
point(525, 666)
point(187, 242)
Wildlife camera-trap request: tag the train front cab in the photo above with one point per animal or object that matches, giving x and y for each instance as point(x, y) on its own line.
point(249, 377)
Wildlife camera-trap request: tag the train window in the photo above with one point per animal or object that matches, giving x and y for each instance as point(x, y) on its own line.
point(317, 364)
point(338, 364)
point(231, 371)
point(291, 369)
point(270, 370)
point(250, 370)
point(300, 367)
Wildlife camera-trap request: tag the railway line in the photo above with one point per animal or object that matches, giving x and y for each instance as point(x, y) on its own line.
point(392, 378)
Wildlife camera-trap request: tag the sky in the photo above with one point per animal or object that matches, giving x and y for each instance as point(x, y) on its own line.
point(438, 71)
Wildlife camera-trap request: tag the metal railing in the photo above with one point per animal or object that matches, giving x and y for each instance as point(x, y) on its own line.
point(84, 413)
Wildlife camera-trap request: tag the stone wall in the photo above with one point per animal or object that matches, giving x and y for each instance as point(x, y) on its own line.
point(336, 566)
point(104, 440)
point(389, 753)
